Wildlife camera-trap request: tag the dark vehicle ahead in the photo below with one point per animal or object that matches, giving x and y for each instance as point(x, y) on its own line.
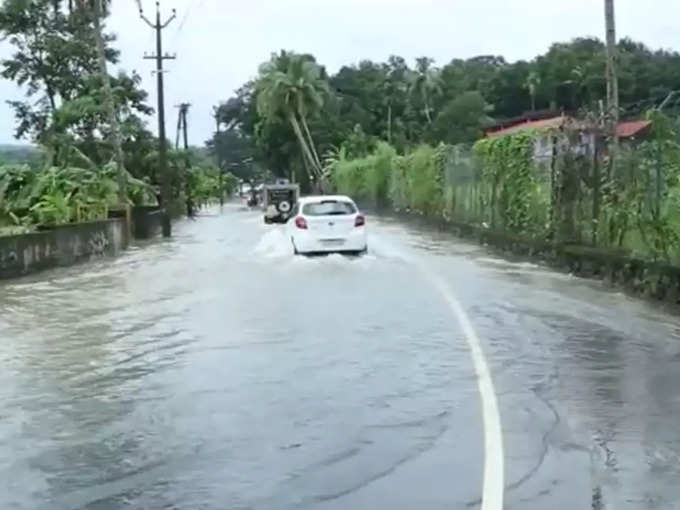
point(278, 201)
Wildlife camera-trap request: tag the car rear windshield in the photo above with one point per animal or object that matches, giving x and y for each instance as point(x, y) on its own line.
point(328, 208)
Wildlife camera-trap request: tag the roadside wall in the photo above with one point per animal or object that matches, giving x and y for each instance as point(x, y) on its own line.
point(60, 246)
point(637, 276)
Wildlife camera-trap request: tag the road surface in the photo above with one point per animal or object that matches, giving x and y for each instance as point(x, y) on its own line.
point(218, 371)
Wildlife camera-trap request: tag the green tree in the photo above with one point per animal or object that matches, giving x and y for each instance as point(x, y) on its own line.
point(476, 73)
point(84, 121)
point(234, 152)
point(95, 10)
point(360, 90)
point(462, 119)
point(573, 73)
point(425, 83)
point(290, 87)
point(532, 83)
point(53, 49)
point(407, 106)
point(58, 59)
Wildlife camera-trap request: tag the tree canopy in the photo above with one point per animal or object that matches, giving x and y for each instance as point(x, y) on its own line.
point(425, 101)
point(55, 59)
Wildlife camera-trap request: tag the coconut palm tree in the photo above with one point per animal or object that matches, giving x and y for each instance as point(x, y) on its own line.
point(97, 10)
point(425, 82)
point(532, 83)
point(290, 87)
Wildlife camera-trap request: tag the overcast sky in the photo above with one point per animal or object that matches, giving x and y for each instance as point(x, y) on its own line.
point(220, 43)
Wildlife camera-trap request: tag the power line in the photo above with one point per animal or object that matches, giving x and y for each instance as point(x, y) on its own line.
point(184, 20)
point(636, 107)
point(185, 17)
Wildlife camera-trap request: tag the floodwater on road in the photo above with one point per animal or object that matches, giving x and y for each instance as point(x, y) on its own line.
point(218, 371)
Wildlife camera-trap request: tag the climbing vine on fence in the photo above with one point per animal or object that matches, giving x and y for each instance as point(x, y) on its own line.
point(507, 170)
point(568, 191)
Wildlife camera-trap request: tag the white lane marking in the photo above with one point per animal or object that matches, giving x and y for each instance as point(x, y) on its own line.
point(493, 483)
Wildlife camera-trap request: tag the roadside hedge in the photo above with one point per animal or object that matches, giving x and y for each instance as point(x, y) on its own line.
point(413, 182)
point(572, 193)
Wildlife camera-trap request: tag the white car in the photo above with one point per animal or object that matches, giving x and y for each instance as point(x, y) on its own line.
point(327, 224)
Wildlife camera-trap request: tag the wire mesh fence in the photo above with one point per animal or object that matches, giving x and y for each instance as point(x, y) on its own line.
point(576, 192)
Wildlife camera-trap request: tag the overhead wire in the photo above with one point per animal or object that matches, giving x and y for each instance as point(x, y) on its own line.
point(637, 107)
point(184, 19)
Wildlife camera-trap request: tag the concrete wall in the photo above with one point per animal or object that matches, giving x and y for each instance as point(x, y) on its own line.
point(639, 277)
point(60, 246)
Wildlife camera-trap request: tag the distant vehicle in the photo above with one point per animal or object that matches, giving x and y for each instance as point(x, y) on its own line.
point(327, 224)
point(253, 196)
point(278, 201)
point(244, 189)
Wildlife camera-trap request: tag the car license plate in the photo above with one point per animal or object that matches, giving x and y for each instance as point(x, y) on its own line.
point(333, 242)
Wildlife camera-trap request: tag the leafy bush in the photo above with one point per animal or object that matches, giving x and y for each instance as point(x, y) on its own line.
point(414, 181)
point(203, 184)
point(366, 178)
point(509, 173)
point(399, 193)
point(53, 196)
point(349, 176)
point(573, 197)
point(417, 181)
point(426, 168)
point(378, 172)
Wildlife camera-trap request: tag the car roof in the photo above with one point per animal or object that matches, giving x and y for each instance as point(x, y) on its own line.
point(318, 198)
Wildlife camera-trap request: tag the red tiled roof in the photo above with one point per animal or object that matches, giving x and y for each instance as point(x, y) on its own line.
point(624, 129)
point(533, 124)
point(632, 127)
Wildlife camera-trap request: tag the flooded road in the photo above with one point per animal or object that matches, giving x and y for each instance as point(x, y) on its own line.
point(218, 371)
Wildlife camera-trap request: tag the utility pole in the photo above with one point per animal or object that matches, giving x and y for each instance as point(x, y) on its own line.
point(179, 127)
point(612, 78)
point(159, 57)
point(182, 126)
point(217, 155)
point(184, 108)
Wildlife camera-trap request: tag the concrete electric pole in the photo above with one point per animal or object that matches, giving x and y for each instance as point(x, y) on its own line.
point(183, 128)
point(612, 78)
point(159, 57)
point(216, 115)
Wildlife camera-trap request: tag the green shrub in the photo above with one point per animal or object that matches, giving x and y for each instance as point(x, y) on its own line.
point(426, 168)
point(509, 174)
point(417, 181)
point(399, 189)
point(377, 173)
point(414, 181)
point(53, 195)
point(348, 177)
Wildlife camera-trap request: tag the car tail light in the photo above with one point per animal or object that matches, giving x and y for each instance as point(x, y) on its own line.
point(360, 221)
point(300, 222)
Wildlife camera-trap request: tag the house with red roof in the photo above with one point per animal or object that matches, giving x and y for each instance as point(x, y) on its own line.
point(629, 129)
point(551, 124)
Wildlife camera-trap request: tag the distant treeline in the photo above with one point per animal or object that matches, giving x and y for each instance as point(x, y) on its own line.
point(19, 154)
point(408, 103)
